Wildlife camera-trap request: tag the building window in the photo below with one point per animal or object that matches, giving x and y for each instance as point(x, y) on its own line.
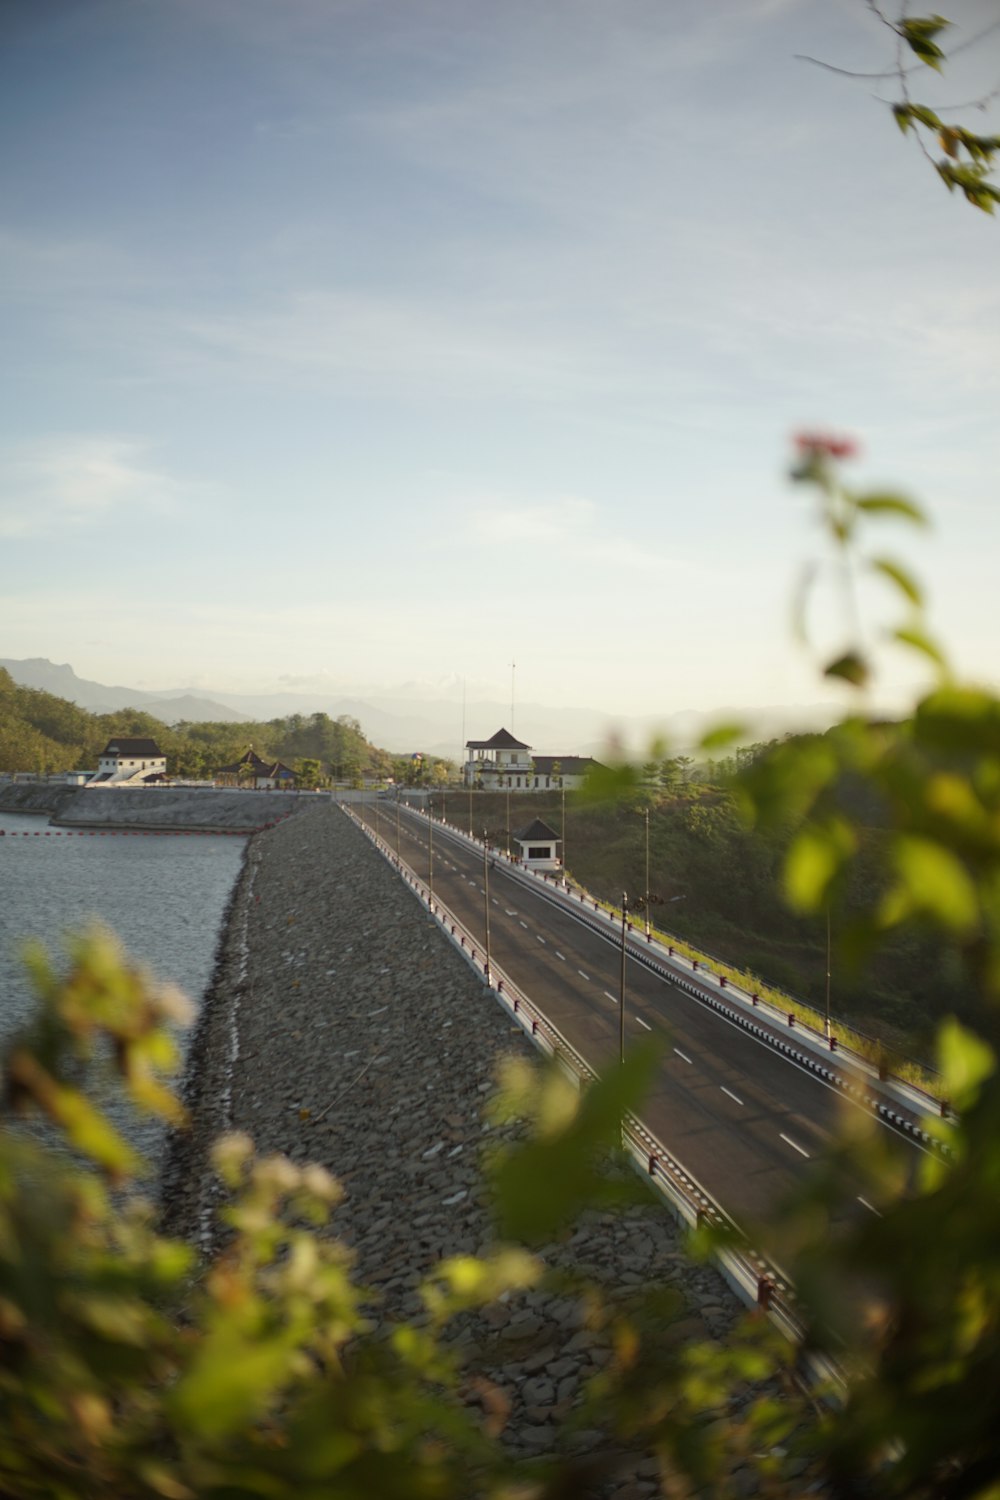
point(539, 851)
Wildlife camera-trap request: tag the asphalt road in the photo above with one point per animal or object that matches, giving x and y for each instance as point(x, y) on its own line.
point(744, 1120)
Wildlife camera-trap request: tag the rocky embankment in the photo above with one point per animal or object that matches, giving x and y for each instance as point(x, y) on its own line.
point(176, 807)
point(344, 1028)
point(35, 797)
point(154, 808)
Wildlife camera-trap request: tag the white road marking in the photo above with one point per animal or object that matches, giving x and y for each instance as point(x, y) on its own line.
point(509, 912)
point(583, 975)
point(560, 955)
point(525, 926)
point(495, 901)
point(730, 1093)
point(539, 937)
point(795, 1146)
point(865, 1204)
point(683, 1056)
point(612, 998)
point(644, 1023)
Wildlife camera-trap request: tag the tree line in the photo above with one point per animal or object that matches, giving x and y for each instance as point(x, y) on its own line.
point(45, 734)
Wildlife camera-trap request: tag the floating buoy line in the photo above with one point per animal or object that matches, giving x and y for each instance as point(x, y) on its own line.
point(146, 833)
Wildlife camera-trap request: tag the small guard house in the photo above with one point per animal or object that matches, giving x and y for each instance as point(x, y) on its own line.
point(538, 846)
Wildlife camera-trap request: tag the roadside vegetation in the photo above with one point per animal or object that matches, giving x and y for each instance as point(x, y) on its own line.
point(131, 1369)
point(45, 734)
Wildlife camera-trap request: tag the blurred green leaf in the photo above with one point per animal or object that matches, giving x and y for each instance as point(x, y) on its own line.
point(909, 635)
point(895, 505)
point(898, 575)
point(540, 1186)
point(932, 882)
point(851, 668)
point(965, 1060)
point(610, 783)
point(721, 736)
point(959, 719)
point(815, 857)
point(919, 32)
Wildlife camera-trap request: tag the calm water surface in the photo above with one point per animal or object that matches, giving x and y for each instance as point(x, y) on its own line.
point(164, 895)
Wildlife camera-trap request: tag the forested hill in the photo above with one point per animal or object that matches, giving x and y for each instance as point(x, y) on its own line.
point(42, 733)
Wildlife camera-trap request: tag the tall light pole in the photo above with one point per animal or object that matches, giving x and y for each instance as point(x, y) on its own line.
point(828, 972)
point(507, 830)
point(647, 875)
point(430, 851)
point(486, 900)
point(621, 986)
point(562, 788)
point(399, 842)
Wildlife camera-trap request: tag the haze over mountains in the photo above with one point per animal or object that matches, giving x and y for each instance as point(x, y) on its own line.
point(401, 721)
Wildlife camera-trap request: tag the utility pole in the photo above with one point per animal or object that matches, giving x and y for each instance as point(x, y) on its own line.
point(430, 852)
point(486, 900)
point(828, 971)
point(621, 986)
point(647, 875)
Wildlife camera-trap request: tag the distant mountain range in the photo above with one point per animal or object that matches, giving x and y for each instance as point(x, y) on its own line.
point(401, 723)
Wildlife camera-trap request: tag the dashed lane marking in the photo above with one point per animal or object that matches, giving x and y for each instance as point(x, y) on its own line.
point(865, 1204)
point(525, 926)
point(795, 1146)
point(583, 975)
point(722, 1086)
point(612, 998)
point(560, 955)
point(644, 1023)
point(539, 937)
point(683, 1056)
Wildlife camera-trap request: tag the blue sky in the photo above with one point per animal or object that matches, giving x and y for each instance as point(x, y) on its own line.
point(358, 342)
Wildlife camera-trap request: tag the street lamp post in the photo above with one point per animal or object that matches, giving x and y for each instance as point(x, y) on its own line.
point(562, 788)
point(430, 852)
point(621, 985)
point(647, 876)
point(828, 973)
point(399, 841)
point(486, 900)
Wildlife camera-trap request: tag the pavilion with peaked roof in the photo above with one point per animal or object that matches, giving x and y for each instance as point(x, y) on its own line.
point(262, 775)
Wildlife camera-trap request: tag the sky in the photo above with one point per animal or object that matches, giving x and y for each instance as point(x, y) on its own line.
point(354, 343)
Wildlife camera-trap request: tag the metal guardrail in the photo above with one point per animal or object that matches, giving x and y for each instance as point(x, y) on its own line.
point(756, 1280)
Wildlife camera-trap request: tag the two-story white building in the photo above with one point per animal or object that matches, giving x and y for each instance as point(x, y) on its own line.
point(503, 763)
point(129, 760)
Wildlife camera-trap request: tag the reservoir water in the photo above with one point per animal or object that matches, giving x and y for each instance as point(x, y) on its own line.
point(163, 894)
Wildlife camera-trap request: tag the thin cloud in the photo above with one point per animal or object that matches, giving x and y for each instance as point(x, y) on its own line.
point(79, 482)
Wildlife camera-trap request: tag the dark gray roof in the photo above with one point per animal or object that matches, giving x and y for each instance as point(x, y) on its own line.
point(536, 830)
point(269, 770)
point(120, 746)
point(569, 765)
point(502, 740)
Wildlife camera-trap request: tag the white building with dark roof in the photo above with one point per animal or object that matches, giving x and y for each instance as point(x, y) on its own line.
point(125, 760)
point(503, 763)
